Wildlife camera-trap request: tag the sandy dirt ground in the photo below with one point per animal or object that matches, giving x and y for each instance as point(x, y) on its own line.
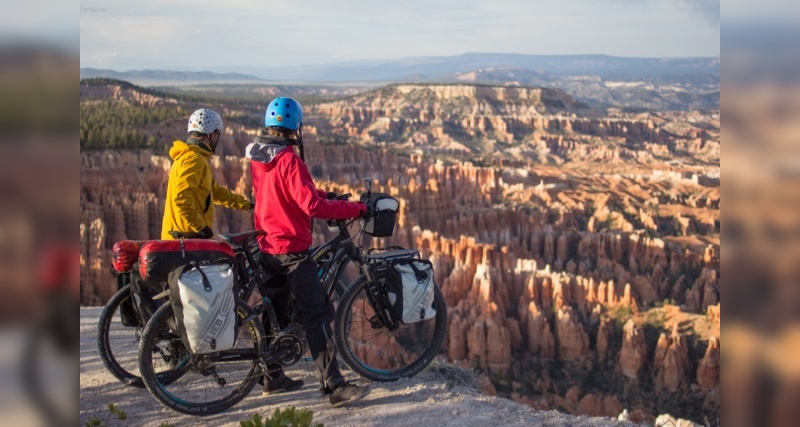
point(431, 398)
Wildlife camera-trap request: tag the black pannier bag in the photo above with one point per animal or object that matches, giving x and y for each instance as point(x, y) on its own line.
point(409, 284)
point(127, 312)
point(385, 208)
point(142, 293)
point(158, 258)
point(203, 296)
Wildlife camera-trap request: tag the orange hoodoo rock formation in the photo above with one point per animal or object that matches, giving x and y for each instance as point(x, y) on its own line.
point(633, 355)
point(605, 333)
point(671, 362)
point(708, 369)
point(573, 341)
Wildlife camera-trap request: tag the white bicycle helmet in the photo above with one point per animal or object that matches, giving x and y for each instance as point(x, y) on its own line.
point(205, 121)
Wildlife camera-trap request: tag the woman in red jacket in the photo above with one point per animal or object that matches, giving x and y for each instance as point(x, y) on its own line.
point(286, 201)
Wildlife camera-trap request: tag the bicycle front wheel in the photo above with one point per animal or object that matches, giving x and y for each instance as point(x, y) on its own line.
point(202, 387)
point(377, 353)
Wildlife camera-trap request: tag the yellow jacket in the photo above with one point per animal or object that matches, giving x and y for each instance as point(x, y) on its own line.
point(192, 191)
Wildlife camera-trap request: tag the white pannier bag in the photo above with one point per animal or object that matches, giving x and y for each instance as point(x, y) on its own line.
point(204, 301)
point(409, 287)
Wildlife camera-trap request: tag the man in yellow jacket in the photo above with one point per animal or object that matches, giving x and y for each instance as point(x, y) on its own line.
point(192, 191)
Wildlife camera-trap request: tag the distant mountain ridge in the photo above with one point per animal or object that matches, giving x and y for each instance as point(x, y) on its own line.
point(162, 76)
point(662, 92)
point(425, 68)
point(430, 68)
point(599, 81)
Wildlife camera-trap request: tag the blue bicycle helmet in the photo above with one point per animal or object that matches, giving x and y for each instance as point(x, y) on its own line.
point(284, 112)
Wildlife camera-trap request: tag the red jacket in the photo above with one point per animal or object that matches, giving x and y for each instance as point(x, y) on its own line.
point(286, 198)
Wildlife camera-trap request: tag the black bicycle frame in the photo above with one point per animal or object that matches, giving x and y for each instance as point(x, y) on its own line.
point(332, 258)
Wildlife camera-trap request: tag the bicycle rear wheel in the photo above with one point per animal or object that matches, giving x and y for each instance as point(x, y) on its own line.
point(377, 353)
point(204, 387)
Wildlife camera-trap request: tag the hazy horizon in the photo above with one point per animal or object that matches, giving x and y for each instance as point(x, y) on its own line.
point(232, 68)
point(201, 35)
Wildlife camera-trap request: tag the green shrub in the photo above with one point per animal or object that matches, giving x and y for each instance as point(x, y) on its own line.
point(113, 411)
point(289, 417)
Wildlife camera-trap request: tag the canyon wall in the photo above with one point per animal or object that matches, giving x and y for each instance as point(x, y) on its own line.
point(581, 270)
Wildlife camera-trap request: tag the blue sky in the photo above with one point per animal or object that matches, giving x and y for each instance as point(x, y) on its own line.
point(202, 34)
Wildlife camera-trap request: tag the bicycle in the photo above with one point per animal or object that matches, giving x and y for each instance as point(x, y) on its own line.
point(228, 376)
point(236, 371)
point(118, 342)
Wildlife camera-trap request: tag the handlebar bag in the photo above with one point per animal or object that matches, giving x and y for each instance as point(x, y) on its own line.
point(385, 208)
point(203, 297)
point(157, 258)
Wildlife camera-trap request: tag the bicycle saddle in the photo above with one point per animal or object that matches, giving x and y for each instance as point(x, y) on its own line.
point(240, 238)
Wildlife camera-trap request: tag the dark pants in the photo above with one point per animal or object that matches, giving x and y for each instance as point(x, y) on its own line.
point(316, 311)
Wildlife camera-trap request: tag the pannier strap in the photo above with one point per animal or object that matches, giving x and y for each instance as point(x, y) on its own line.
point(195, 264)
point(206, 283)
point(421, 275)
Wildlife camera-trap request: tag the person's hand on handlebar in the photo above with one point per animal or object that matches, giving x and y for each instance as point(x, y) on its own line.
point(368, 211)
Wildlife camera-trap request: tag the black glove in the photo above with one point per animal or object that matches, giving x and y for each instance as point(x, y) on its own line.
point(331, 195)
point(369, 213)
point(206, 232)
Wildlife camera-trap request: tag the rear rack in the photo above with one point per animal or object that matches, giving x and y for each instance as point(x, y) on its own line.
point(390, 253)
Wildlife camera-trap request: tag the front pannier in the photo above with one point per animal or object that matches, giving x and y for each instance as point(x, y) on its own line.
point(158, 258)
point(203, 297)
point(408, 282)
point(385, 208)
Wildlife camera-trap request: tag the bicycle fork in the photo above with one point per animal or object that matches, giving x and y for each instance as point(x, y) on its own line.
point(376, 296)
